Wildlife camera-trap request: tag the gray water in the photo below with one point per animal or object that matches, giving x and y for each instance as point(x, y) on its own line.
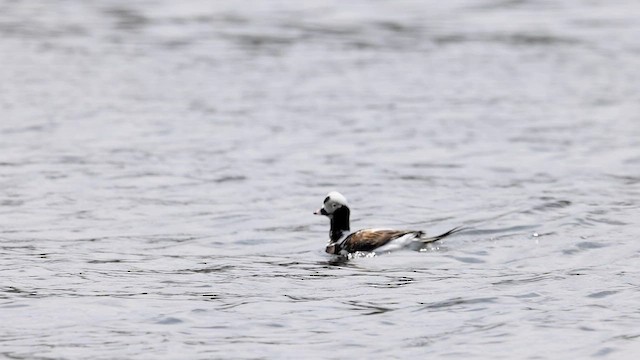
point(160, 162)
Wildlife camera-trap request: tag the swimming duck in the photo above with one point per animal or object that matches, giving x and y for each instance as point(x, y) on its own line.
point(343, 241)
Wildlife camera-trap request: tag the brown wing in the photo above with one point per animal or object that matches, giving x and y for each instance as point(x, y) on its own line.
point(368, 240)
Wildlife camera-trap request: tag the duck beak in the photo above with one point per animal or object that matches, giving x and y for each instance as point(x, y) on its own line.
point(321, 211)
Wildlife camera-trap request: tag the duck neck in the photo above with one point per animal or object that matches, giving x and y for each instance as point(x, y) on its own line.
point(339, 223)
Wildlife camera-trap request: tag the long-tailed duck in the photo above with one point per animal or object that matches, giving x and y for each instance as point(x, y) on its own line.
point(344, 242)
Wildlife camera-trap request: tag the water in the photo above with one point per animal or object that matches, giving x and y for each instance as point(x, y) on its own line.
point(160, 162)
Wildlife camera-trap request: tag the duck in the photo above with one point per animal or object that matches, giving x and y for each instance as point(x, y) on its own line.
point(344, 242)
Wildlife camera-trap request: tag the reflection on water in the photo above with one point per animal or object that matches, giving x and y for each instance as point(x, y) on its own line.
point(160, 161)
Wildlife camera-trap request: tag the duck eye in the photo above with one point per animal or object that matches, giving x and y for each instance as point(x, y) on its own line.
point(334, 205)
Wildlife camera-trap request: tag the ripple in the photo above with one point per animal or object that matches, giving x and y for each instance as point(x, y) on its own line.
point(529, 279)
point(605, 351)
point(601, 294)
point(394, 282)
point(169, 321)
point(557, 204)
point(587, 245)
point(126, 18)
point(511, 229)
point(211, 269)
point(457, 302)
point(225, 179)
point(367, 308)
point(517, 39)
point(468, 259)
point(159, 160)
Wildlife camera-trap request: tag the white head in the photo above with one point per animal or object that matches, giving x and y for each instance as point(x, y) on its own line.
point(332, 202)
point(335, 207)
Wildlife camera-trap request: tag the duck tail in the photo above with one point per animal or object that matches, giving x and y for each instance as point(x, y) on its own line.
point(431, 239)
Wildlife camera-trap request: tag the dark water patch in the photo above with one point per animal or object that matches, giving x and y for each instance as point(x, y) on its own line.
point(602, 294)
point(212, 269)
point(468, 259)
point(426, 341)
point(126, 18)
point(523, 39)
point(537, 234)
point(11, 203)
point(537, 39)
point(13, 306)
point(542, 144)
point(230, 178)
point(205, 108)
point(73, 160)
point(287, 264)
point(367, 308)
point(528, 279)
point(510, 229)
point(234, 305)
point(313, 276)
point(571, 251)
point(633, 160)
point(177, 44)
point(432, 221)
point(419, 178)
point(580, 222)
point(225, 19)
point(524, 182)
point(579, 272)
point(435, 165)
point(397, 27)
point(302, 298)
point(322, 31)
point(502, 4)
point(605, 351)
point(393, 282)
point(169, 321)
point(598, 306)
point(27, 129)
point(294, 271)
point(105, 261)
point(527, 295)
point(557, 204)
point(37, 30)
point(456, 302)
point(286, 229)
point(10, 164)
point(12, 290)
point(586, 328)
point(255, 241)
point(588, 245)
point(337, 262)
point(602, 23)
point(606, 221)
point(627, 337)
point(261, 40)
point(168, 238)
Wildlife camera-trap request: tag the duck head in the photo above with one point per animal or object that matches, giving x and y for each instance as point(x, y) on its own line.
point(336, 208)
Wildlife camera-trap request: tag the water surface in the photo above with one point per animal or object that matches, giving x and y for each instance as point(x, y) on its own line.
point(160, 162)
